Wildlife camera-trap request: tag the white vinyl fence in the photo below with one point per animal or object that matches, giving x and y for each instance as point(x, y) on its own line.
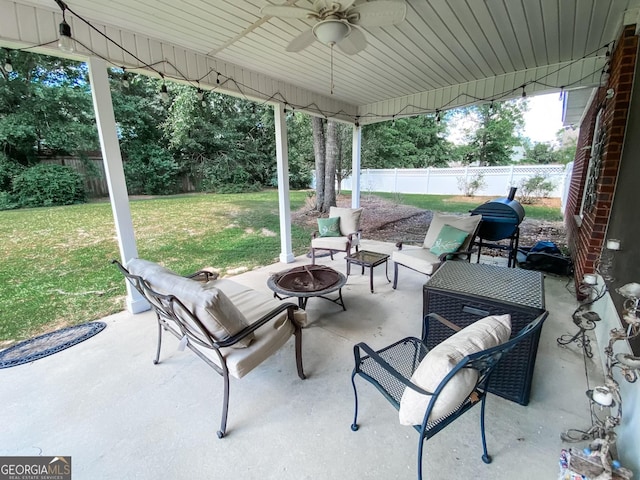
point(447, 181)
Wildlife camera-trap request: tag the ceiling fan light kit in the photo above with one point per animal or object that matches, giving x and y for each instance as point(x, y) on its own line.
point(331, 32)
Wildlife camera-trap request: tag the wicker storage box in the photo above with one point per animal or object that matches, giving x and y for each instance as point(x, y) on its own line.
point(465, 292)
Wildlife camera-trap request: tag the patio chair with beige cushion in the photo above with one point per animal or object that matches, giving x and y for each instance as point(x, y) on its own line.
point(448, 236)
point(432, 388)
point(232, 328)
point(338, 233)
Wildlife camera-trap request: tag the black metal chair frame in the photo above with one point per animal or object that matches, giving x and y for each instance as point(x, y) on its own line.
point(331, 251)
point(390, 370)
point(174, 317)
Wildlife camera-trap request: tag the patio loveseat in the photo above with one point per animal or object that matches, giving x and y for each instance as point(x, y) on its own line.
point(230, 327)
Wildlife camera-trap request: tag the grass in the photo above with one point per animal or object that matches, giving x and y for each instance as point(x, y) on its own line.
point(55, 267)
point(457, 204)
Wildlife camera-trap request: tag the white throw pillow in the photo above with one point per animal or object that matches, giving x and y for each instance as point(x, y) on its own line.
point(481, 335)
point(349, 219)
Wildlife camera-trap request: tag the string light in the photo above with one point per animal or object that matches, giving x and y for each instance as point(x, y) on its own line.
point(125, 80)
point(437, 115)
point(394, 121)
point(8, 66)
point(200, 94)
point(164, 93)
point(561, 93)
point(65, 42)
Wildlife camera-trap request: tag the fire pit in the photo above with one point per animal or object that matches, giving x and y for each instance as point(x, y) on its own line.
point(308, 281)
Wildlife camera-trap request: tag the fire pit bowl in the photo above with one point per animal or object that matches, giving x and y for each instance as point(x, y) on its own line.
point(308, 278)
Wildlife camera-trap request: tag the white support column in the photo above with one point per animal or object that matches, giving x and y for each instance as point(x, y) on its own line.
point(282, 157)
point(112, 159)
point(355, 168)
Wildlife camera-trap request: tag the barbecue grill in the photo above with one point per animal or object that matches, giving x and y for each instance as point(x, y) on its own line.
point(501, 220)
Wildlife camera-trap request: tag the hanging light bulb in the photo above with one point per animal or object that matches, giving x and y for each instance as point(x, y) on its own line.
point(218, 78)
point(164, 93)
point(524, 92)
point(8, 66)
point(125, 80)
point(393, 122)
point(65, 42)
point(437, 116)
point(200, 94)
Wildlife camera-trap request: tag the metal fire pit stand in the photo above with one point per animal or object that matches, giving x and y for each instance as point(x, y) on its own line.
point(306, 282)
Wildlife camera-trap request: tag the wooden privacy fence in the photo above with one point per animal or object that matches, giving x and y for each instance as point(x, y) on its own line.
point(448, 181)
point(92, 169)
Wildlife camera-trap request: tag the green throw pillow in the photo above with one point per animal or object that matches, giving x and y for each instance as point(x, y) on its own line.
point(449, 240)
point(329, 227)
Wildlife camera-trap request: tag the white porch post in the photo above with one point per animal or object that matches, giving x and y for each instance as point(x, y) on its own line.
point(282, 157)
point(355, 166)
point(112, 159)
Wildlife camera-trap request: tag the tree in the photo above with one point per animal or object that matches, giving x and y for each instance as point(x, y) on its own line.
point(331, 158)
point(414, 142)
point(45, 108)
point(496, 131)
point(540, 154)
point(319, 150)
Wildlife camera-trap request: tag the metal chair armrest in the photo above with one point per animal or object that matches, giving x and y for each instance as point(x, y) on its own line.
point(227, 342)
point(383, 363)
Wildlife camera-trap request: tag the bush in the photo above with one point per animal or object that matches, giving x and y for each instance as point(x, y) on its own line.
point(46, 185)
point(151, 170)
point(7, 201)
point(532, 188)
point(469, 186)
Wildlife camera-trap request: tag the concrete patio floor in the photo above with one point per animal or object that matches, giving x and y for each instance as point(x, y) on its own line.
point(119, 416)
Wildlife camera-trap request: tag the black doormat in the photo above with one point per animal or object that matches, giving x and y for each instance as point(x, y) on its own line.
point(48, 344)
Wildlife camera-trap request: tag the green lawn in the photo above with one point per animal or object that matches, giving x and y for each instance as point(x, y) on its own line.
point(55, 267)
point(453, 204)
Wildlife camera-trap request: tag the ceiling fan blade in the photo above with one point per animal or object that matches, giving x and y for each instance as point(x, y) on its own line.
point(379, 13)
point(354, 43)
point(301, 42)
point(286, 11)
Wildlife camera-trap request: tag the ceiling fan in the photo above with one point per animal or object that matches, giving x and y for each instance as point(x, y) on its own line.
point(338, 22)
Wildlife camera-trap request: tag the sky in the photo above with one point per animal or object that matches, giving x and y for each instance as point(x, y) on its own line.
point(542, 121)
point(544, 118)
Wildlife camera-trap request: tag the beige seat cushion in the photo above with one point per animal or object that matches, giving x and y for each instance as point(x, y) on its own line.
point(466, 224)
point(417, 258)
point(210, 305)
point(481, 335)
point(332, 243)
point(349, 219)
point(268, 338)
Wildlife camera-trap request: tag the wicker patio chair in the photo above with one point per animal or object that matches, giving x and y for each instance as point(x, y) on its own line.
point(392, 368)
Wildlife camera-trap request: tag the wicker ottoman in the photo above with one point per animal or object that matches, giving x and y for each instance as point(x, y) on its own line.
point(465, 292)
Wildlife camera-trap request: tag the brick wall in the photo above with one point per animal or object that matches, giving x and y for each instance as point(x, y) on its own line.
point(586, 236)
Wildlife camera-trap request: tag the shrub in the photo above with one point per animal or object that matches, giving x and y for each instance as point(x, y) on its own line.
point(46, 185)
point(7, 201)
point(469, 186)
point(532, 188)
point(9, 169)
point(151, 170)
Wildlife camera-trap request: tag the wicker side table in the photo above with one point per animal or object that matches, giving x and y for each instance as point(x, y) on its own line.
point(465, 292)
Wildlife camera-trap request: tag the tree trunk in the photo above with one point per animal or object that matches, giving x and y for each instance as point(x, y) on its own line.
point(319, 154)
point(330, 165)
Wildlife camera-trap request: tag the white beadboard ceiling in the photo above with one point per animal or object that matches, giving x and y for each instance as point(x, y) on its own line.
point(446, 53)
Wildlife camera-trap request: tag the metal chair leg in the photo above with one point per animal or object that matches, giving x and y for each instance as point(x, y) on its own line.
point(298, 334)
point(395, 275)
point(225, 406)
point(354, 425)
point(157, 359)
point(485, 456)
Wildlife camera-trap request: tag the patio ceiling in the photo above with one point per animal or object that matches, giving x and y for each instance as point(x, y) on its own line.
point(446, 52)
